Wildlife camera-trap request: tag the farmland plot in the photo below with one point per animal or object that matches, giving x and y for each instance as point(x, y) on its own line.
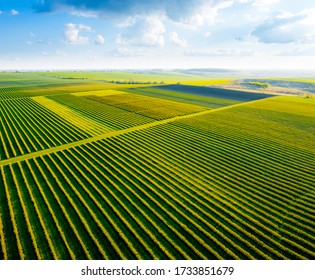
point(214, 92)
point(27, 126)
point(189, 98)
point(147, 106)
point(110, 116)
point(22, 91)
point(202, 187)
point(84, 123)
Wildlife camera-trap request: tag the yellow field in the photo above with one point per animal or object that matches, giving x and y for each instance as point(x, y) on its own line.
point(84, 123)
point(100, 92)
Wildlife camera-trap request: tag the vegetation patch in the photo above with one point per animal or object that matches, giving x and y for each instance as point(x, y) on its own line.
point(170, 172)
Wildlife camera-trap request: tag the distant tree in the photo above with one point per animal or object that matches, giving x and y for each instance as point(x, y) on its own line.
point(307, 95)
point(259, 84)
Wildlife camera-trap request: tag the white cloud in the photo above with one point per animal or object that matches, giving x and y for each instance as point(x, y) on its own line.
point(239, 39)
point(197, 13)
point(189, 12)
point(1, 12)
point(59, 53)
point(72, 34)
point(261, 5)
point(286, 28)
point(264, 3)
point(120, 40)
point(100, 40)
point(176, 40)
point(301, 50)
point(126, 52)
point(29, 43)
point(207, 34)
point(82, 13)
point(14, 12)
point(43, 42)
point(143, 31)
point(127, 22)
point(220, 52)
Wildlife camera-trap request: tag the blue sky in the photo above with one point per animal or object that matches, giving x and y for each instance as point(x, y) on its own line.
point(102, 34)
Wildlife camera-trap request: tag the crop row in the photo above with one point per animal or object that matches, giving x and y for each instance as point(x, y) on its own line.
point(226, 167)
point(28, 126)
point(125, 151)
point(130, 197)
point(185, 167)
point(275, 164)
point(147, 106)
point(162, 93)
point(85, 124)
point(290, 105)
point(95, 213)
point(24, 92)
point(256, 136)
point(199, 188)
point(110, 116)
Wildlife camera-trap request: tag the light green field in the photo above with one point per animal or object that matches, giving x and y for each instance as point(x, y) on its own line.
point(143, 77)
point(94, 170)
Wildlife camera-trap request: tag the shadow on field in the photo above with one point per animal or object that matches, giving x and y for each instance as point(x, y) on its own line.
point(215, 92)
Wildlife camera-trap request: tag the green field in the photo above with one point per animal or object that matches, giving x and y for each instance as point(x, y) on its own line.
point(156, 77)
point(100, 170)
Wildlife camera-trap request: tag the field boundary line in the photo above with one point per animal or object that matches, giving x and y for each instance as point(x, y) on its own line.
point(119, 132)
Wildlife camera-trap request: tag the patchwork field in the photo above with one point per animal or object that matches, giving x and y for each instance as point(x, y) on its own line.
point(106, 171)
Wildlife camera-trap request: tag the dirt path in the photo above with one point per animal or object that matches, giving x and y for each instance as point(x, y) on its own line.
point(119, 132)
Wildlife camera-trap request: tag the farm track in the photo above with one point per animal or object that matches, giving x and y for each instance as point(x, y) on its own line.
point(115, 133)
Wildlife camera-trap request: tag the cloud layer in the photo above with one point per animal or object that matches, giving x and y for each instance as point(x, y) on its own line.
point(100, 40)
point(220, 52)
point(192, 12)
point(14, 12)
point(285, 28)
point(143, 31)
point(72, 34)
point(176, 40)
point(219, 33)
